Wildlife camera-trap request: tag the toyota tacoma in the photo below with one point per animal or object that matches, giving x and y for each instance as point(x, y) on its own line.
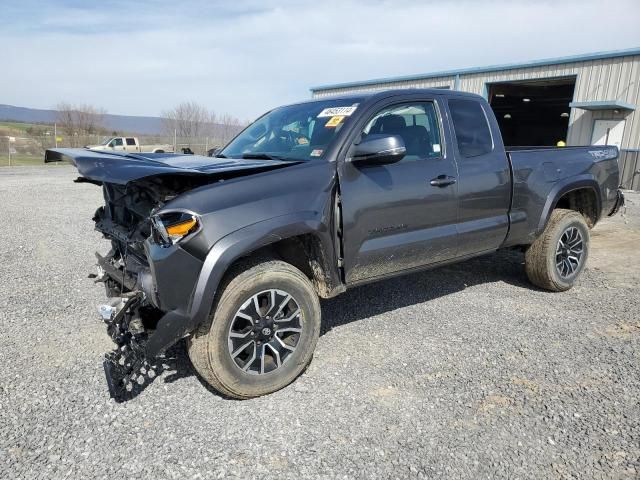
point(233, 252)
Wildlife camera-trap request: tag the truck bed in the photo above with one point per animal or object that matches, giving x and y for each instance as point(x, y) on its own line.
point(541, 175)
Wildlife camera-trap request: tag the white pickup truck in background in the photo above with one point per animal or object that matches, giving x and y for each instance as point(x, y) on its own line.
point(129, 144)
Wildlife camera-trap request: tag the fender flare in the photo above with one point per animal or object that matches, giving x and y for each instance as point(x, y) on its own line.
point(241, 242)
point(175, 324)
point(564, 187)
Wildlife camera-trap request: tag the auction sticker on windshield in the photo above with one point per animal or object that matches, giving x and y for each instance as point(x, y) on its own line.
point(337, 111)
point(334, 121)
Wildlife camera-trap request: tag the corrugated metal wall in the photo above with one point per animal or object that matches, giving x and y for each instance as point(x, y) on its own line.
point(596, 80)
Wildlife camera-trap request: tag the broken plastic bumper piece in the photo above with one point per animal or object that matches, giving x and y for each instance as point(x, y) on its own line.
point(127, 369)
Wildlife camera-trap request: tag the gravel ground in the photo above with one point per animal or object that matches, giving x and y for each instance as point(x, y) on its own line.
point(465, 371)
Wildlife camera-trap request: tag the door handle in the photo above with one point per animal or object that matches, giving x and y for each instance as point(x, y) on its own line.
point(442, 181)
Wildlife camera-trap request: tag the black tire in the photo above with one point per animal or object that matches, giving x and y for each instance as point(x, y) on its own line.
point(542, 257)
point(209, 348)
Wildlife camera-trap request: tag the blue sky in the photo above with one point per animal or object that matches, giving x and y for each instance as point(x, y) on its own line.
point(244, 57)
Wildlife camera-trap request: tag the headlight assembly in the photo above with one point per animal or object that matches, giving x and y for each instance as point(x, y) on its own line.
point(172, 227)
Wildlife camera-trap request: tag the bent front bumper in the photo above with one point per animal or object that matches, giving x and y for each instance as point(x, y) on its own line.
point(167, 283)
point(138, 357)
point(139, 328)
point(127, 368)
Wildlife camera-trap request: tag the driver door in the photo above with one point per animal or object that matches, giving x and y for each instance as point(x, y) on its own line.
point(394, 218)
point(117, 145)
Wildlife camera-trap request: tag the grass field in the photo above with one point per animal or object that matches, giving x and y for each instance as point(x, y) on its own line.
point(21, 160)
point(16, 126)
point(19, 129)
point(30, 140)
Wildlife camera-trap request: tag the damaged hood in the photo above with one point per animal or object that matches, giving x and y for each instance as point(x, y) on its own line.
point(122, 168)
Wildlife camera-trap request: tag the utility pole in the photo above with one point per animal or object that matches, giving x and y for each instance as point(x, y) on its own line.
point(175, 140)
point(55, 133)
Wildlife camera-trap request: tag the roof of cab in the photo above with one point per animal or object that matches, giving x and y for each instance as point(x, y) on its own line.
point(373, 96)
point(424, 91)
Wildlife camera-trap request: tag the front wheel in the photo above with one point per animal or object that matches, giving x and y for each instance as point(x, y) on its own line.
point(261, 334)
point(557, 257)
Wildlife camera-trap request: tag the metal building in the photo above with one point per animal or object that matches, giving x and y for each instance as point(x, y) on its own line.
point(580, 100)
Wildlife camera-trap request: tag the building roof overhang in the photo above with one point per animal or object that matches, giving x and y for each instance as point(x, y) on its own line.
point(603, 105)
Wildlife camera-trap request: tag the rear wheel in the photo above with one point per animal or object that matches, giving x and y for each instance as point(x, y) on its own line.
point(556, 258)
point(262, 332)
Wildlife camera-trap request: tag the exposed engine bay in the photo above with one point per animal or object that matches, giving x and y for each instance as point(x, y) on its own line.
point(149, 278)
point(132, 312)
point(136, 220)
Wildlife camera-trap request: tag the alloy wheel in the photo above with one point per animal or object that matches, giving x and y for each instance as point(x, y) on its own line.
point(569, 252)
point(265, 331)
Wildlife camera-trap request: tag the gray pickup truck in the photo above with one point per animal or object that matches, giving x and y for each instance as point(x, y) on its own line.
point(234, 252)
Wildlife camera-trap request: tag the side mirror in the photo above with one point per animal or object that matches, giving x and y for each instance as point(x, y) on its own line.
point(379, 149)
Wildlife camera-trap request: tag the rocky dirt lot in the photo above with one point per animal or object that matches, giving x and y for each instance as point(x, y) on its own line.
point(466, 371)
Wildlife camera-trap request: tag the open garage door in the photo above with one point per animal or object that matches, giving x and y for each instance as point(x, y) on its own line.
point(533, 113)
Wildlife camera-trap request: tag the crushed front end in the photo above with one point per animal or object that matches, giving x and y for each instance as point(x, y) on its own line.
point(144, 260)
point(163, 214)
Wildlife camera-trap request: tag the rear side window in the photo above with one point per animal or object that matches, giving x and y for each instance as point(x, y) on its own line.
point(131, 141)
point(472, 130)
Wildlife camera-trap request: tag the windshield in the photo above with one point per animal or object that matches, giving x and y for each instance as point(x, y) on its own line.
point(297, 132)
point(106, 140)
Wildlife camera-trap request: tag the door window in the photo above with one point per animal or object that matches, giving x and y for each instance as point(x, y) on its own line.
point(471, 127)
point(415, 123)
point(117, 142)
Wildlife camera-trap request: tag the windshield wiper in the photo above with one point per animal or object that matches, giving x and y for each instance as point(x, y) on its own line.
point(261, 156)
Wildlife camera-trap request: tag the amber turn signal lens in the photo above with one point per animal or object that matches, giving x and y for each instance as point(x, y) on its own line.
point(182, 228)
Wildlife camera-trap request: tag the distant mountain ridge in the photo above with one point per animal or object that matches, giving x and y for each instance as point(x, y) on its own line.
point(119, 123)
